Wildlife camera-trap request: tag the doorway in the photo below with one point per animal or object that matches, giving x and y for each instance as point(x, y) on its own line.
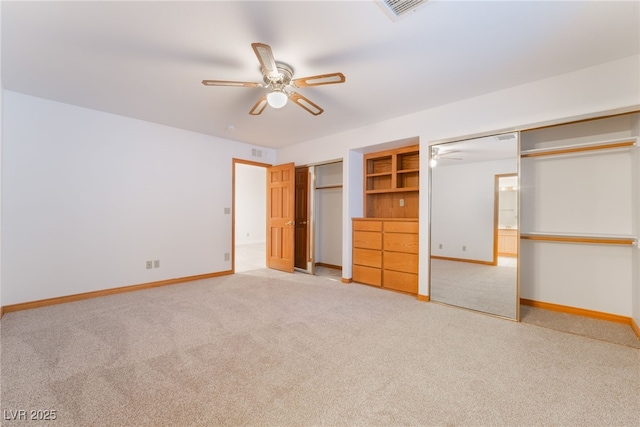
point(318, 210)
point(249, 216)
point(327, 206)
point(506, 224)
point(318, 219)
point(318, 201)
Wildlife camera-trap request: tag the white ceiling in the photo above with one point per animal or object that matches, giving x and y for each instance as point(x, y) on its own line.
point(147, 59)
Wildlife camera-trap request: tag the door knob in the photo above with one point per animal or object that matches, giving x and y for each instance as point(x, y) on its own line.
point(289, 223)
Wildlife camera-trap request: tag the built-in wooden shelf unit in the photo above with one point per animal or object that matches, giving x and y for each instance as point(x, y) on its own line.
point(392, 180)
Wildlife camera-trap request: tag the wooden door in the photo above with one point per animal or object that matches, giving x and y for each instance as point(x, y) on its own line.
point(280, 217)
point(302, 218)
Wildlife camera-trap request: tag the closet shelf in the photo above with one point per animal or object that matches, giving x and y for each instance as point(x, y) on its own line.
point(393, 190)
point(577, 148)
point(373, 175)
point(324, 187)
point(600, 239)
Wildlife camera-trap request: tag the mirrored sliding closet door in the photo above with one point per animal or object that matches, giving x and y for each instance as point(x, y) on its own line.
point(474, 203)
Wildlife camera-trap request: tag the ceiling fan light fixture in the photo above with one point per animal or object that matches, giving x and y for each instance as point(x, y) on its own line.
point(277, 98)
point(277, 78)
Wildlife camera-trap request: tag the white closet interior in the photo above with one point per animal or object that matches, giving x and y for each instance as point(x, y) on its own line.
point(328, 214)
point(580, 212)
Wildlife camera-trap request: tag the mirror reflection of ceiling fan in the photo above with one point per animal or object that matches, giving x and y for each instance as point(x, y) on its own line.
point(278, 78)
point(437, 154)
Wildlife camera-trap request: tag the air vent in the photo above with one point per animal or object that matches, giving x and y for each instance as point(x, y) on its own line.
point(397, 9)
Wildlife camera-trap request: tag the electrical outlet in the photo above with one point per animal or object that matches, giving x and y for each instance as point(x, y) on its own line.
point(401, 202)
point(149, 265)
point(227, 256)
point(440, 246)
point(464, 248)
point(156, 263)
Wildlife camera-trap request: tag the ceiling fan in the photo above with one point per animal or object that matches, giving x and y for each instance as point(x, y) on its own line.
point(436, 155)
point(278, 78)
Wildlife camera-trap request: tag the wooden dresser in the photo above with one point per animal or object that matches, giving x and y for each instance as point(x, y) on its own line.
point(385, 253)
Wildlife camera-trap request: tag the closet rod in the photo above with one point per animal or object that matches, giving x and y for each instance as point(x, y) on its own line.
point(581, 239)
point(324, 187)
point(567, 150)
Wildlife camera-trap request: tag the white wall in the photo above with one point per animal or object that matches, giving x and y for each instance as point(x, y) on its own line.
point(463, 208)
point(593, 277)
point(585, 194)
point(352, 198)
point(89, 197)
point(591, 90)
point(251, 204)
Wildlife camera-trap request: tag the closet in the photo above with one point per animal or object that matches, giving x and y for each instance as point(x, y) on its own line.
point(327, 207)
point(580, 210)
point(385, 242)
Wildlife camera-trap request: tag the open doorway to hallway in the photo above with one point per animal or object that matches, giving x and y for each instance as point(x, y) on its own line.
point(250, 216)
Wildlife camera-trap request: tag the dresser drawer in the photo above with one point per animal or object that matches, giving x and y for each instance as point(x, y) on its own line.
point(401, 226)
point(367, 240)
point(398, 261)
point(401, 242)
point(367, 257)
point(367, 225)
point(367, 275)
point(405, 282)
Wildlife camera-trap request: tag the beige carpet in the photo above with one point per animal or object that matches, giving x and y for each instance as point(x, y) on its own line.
point(273, 349)
point(485, 288)
point(603, 330)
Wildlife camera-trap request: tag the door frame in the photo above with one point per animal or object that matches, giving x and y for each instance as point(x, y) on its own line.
point(234, 162)
point(308, 220)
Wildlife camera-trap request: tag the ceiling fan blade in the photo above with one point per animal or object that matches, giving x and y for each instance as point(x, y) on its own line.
point(305, 103)
point(229, 83)
point(321, 79)
point(259, 107)
point(265, 56)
